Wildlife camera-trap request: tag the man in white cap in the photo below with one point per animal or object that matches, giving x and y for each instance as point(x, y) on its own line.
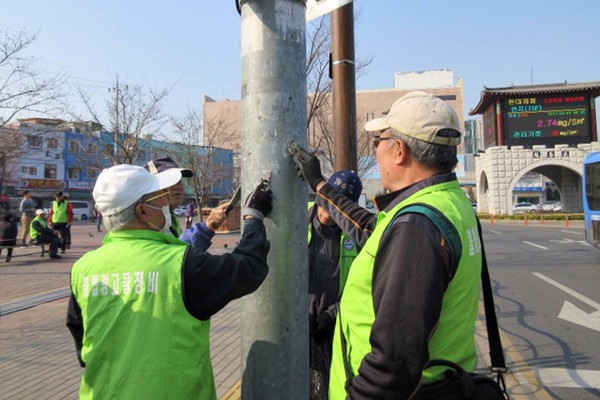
point(200, 234)
point(412, 293)
point(141, 303)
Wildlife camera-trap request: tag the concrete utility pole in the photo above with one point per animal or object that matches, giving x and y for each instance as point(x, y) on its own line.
point(344, 88)
point(274, 318)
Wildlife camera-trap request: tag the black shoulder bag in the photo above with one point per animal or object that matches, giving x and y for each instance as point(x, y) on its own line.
point(457, 383)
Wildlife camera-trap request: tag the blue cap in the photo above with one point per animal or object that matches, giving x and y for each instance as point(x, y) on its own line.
point(347, 183)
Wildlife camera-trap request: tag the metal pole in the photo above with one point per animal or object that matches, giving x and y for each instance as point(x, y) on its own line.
point(344, 88)
point(274, 318)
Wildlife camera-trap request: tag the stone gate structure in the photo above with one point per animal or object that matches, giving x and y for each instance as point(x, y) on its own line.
point(500, 168)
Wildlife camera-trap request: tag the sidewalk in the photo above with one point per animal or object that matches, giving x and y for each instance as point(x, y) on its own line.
point(37, 355)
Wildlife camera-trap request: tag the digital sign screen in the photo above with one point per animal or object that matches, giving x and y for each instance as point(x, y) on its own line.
point(546, 120)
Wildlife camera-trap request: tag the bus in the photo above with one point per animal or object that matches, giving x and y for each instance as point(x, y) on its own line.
point(591, 198)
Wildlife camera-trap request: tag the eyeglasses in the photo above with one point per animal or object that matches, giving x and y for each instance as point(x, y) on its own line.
point(158, 196)
point(378, 139)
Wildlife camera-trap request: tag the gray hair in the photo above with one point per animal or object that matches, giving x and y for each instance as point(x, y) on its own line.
point(119, 220)
point(432, 155)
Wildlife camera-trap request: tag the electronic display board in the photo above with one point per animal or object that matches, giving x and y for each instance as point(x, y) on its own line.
point(546, 119)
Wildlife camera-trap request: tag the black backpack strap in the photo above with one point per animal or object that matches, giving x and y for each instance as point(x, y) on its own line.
point(491, 322)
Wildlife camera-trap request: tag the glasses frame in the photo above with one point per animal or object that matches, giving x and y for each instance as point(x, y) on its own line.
point(378, 139)
point(158, 196)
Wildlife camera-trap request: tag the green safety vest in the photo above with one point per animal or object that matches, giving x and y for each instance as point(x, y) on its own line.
point(453, 338)
point(59, 212)
point(348, 252)
point(32, 231)
point(139, 341)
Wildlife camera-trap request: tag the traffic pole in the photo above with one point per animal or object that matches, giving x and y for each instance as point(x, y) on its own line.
point(567, 220)
point(492, 218)
point(274, 331)
point(343, 82)
point(526, 221)
point(542, 219)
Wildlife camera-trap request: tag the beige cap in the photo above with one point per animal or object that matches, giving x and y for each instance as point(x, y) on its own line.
point(421, 116)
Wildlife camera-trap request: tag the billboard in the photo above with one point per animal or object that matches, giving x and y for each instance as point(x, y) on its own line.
point(546, 119)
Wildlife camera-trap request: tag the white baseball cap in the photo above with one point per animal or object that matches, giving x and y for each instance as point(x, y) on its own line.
point(39, 211)
point(421, 116)
point(121, 186)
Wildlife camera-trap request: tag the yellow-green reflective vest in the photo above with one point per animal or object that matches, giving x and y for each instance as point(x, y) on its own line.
point(32, 231)
point(348, 252)
point(140, 342)
point(59, 212)
point(453, 338)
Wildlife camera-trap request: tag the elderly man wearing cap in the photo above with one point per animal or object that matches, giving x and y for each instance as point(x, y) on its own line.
point(40, 233)
point(409, 297)
point(200, 234)
point(330, 254)
point(141, 303)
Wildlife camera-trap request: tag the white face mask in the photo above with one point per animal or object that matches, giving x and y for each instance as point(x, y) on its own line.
point(167, 214)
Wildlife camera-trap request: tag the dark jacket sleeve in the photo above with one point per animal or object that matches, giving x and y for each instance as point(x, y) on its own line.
point(212, 281)
point(75, 325)
point(354, 220)
point(409, 280)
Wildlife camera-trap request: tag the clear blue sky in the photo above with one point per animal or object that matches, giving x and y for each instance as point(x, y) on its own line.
point(195, 45)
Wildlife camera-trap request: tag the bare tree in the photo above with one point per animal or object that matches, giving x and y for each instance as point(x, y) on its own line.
point(22, 87)
point(209, 169)
point(319, 110)
point(133, 115)
point(10, 151)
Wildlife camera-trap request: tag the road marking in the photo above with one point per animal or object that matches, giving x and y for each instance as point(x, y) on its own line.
point(571, 292)
point(570, 312)
point(569, 378)
point(573, 232)
point(567, 240)
point(496, 232)
point(535, 245)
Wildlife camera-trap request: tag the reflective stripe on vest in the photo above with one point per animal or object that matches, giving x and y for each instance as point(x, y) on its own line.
point(139, 340)
point(453, 338)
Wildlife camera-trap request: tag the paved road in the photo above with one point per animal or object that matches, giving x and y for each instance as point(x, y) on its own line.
point(537, 269)
point(37, 355)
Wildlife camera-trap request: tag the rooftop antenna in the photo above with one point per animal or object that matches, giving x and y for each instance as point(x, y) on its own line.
point(531, 74)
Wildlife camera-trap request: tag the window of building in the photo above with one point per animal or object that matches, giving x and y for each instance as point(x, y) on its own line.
point(35, 141)
point(92, 173)
point(24, 170)
point(91, 148)
point(74, 146)
point(50, 171)
point(53, 143)
point(33, 171)
point(73, 173)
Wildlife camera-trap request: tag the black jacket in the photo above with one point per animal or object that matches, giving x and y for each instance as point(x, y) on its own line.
point(8, 233)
